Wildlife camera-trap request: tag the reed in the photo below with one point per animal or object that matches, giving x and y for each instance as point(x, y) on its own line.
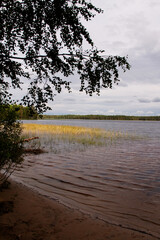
point(49, 135)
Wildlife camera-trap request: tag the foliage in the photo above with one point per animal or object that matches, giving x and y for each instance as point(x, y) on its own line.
point(22, 112)
point(103, 117)
point(11, 147)
point(40, 39)
point(25, 112)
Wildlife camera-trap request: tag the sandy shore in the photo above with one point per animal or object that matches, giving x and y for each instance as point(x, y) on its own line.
point(25, 215)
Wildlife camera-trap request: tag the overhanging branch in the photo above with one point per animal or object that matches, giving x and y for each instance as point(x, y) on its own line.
point(40, 56)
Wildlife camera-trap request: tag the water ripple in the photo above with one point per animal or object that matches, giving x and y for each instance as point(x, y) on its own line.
point(119, 184)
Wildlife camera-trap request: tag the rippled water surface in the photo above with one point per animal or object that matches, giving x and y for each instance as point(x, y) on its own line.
point(119, 183)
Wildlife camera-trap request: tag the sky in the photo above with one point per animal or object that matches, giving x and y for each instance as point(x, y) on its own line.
point(125, 28)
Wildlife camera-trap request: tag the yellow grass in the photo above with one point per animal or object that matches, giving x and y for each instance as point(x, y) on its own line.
point(51, 134)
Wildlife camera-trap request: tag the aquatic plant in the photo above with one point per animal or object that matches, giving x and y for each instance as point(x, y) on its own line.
point(52, 135)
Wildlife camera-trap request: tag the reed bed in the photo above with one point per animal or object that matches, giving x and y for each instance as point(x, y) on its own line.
point(52, 135)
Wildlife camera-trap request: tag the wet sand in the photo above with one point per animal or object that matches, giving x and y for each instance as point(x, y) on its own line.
point(30, 216)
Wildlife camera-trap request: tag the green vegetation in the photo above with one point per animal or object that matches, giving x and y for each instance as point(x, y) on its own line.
point(25, 112)
point(11, 145)
point(40, 39)
point(103, 117)
point(52, 135)
point(11, 140)
point(22, 112)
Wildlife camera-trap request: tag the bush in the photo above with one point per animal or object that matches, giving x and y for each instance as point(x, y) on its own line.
point(11, 144)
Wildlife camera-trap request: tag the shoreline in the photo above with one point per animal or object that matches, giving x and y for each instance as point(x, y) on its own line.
point(31, 216)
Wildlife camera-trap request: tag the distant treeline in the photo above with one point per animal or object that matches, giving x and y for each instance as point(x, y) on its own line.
point(103, 117)
point(24, 112)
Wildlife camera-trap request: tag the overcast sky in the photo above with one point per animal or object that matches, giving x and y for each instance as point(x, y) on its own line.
point(125, 28)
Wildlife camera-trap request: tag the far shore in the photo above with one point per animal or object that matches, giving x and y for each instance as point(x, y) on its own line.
point(101, 117)
point(26, 215)
point(92, 117)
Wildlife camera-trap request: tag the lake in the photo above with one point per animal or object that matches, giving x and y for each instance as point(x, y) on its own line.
point(118, 183)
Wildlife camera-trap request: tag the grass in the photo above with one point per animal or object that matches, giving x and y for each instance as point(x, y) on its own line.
point(52, 135)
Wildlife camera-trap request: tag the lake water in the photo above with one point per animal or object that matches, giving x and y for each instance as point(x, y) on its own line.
point(119, 183)
point(145, 128)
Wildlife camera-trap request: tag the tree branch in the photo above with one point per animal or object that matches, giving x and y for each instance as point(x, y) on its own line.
point(40, 56)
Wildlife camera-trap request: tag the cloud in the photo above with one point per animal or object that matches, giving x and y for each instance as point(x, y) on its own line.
point(71, 110)
point(112, 111)
point(143, 100)
point(72, 100)
point(140, 112)
point(126, 28)
point(150, 113)
point(157, 99)
point(154, 3)
point(122, 83)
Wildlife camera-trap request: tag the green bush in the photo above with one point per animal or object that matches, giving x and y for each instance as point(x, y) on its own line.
point(11, 144)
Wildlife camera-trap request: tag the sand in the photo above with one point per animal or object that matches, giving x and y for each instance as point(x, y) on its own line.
point(26, 215)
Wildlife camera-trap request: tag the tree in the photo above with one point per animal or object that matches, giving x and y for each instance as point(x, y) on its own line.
point(25, 112)
point(40, 39)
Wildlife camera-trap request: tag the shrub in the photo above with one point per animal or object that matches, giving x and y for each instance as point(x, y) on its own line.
point(11, 144)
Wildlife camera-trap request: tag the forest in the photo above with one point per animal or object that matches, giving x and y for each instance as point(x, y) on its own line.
point(22, 112)
point(103, 117)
